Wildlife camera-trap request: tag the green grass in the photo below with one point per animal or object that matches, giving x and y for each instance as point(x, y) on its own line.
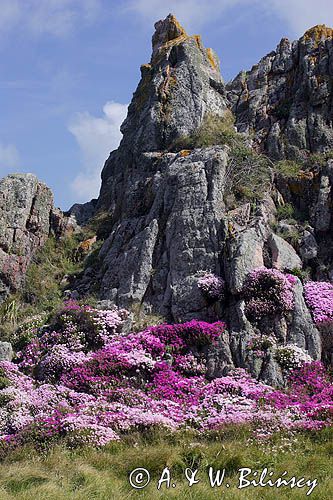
point(214, 130)
point(42, 290)
point(103, 474)
point(286, 211)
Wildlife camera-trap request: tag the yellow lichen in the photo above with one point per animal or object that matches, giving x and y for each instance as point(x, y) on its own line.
point(145, 67)
point(185, 152)
point(198, 40)
point(212, 60)
point(142, 91)
point(305, 175)
point(179, 27)
point(318, 33)
point(313, 59)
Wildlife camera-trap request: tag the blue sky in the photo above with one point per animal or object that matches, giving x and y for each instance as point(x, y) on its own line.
point(68, 69)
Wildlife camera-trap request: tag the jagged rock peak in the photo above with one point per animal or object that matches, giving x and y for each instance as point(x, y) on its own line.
point(286, 99)
point(169, 33)
point(318, 33)
point(167, 30)
point(178, 87)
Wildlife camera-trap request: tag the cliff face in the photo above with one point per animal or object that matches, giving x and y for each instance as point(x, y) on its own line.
point(286, 100)
point(166, 208)
point(178, 87)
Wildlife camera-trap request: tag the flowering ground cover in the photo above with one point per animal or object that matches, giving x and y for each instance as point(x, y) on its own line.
point(84, 381)
point(268, 292)
point(319, 297)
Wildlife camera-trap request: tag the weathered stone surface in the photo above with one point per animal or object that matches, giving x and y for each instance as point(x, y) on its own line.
point(6, 351)
point(169, 227)
point(322, 211)
point(283, 254)
point(287, 97)
point(26, 220)
point(302, 330)
point(83, 212)
point(25, 208)
point(308, 246)
point(244, 253)
point(178, 87)
point(62, 225)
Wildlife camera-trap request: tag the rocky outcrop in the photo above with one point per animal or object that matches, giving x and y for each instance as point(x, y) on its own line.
point(286, 99)
point(27, 218)
point(165, 212)
point(83, 212)
point(170, 227)
point(283, 254)
point(6, 351)
point(178, 87)
point(169, 218)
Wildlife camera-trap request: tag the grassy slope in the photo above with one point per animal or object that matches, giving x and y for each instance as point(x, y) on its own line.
point(103, 474)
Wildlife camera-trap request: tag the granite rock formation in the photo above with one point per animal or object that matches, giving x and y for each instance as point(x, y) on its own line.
point(286, 99)
point(170, 218)
point(28, 217)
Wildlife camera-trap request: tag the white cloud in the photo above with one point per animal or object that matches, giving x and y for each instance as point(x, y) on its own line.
point(299, 15)
point(9, 157)
point(303, 14)
point(192, 13)
point(52, 17)
point(96, 137)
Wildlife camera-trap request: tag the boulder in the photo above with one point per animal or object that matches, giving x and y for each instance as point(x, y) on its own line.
point(6, 351)
point(284, 257)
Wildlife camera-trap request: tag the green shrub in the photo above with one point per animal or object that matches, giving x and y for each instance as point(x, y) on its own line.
point(292, 236)
point(100, 224)
point(42, 289)
point(286, 211)
point(214, 130)
point(288, 169)
point(55, 259)
point(249, 174)
point(142, 320)
point(9, 310)
point(303, 274)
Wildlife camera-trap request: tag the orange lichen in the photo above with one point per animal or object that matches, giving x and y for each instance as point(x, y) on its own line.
point(212, 60)
point(145, 67)
point(313, 59)
point(306, 175)
point(185, 152)
point(318, 34)
point(177, 24)
point(198, 40)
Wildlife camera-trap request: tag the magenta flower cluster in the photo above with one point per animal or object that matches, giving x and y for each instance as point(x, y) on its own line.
point(310, 393)
point(87, 382)
point(212, 286)
point(268, 292)
point(319, 297)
